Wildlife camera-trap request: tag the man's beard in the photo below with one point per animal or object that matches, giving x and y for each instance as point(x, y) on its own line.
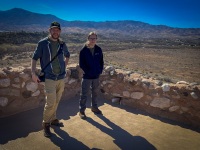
point(55, 36)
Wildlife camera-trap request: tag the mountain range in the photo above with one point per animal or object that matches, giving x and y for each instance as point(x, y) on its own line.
point(17, 19)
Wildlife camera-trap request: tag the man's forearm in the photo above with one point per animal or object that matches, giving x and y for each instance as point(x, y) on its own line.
point(33, 66)
point(66, 61)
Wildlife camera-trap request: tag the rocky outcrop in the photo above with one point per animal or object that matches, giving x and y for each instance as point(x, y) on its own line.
point(180, 101)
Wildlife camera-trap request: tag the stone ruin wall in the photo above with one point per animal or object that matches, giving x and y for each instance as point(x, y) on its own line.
point(180, 101)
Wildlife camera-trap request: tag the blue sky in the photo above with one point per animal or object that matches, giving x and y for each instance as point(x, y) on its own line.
point(173, 13)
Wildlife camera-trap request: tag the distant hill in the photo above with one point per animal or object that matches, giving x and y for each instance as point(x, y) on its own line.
point(19, 16)
point(19, 19)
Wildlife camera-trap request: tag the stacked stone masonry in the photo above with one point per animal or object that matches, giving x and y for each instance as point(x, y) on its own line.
point(180, 101)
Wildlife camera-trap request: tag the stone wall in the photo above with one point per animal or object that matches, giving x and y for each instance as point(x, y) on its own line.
point(19, 93)
point(180, 101)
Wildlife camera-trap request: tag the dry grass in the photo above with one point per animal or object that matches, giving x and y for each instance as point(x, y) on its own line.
point(168, 64)
point(164, 64)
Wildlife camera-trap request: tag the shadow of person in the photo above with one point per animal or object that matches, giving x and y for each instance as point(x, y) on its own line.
point(70, 107)
point(23, 123)
point(123, 139)
point(64, 141)
point(67, 107)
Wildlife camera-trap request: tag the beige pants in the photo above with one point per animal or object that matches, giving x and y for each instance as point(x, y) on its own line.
point(53, 92)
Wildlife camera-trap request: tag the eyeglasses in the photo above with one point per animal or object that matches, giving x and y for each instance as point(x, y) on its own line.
point(92, 38)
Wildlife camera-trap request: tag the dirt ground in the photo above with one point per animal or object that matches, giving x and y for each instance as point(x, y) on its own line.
point(170, 65)
point(166, 64)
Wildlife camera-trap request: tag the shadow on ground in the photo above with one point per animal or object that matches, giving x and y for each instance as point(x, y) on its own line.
point(24, 123)
point(63, 140)
point(20, 125)
point(122, 138)
point(162, 119)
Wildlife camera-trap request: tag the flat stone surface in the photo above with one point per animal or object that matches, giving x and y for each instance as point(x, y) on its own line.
point(120, 127)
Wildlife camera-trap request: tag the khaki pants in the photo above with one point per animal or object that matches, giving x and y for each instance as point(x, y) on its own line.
point(53, 91)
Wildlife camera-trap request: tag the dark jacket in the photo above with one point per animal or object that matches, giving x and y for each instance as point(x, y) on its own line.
point(92, 65)
point(43, 52)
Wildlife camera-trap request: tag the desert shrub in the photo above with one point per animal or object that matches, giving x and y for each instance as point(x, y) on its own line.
point(167, 79)
point(21, 37)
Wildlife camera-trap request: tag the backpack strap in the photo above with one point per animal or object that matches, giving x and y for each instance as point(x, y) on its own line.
point(58, 53)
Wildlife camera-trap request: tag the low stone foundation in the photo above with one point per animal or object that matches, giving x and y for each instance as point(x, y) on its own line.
point(180, 101)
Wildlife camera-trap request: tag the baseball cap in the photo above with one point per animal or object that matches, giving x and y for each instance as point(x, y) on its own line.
point(55, 25)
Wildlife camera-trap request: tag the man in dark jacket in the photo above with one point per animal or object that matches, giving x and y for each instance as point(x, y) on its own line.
point(54, 72)
point(91, 62)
